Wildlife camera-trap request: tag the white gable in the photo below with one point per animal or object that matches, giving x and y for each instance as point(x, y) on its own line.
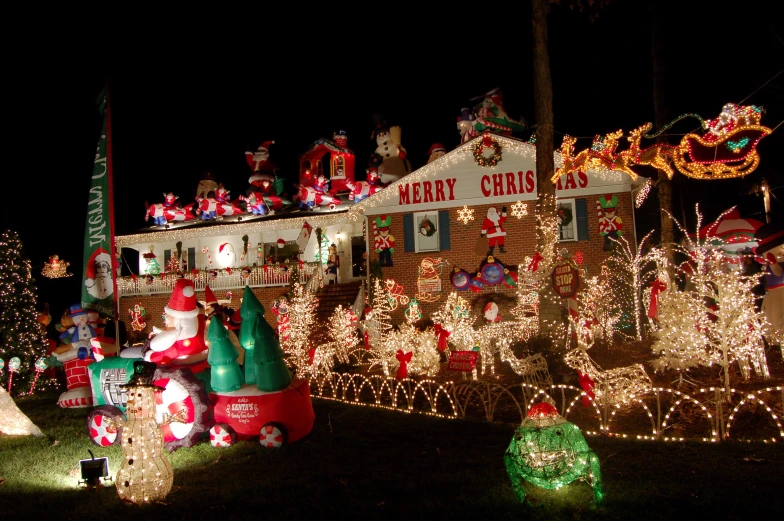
point(456, 180)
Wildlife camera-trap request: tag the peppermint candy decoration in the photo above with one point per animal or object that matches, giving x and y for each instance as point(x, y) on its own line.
point(221, 435)
point(14, 364)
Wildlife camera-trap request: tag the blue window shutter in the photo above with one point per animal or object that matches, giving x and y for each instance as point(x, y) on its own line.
point(581, 207)
point(443, 230)
point(191, 258)
point(408, 232)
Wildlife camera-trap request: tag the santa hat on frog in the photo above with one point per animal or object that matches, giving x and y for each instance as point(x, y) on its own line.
point(99, 256)
point(182, 303)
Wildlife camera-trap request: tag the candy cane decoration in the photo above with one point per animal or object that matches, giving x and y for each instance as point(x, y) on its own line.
point(13, 367)
point(206, 250)
point(40, 367)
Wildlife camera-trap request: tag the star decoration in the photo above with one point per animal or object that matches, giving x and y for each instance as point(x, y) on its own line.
point(519, 209)
point(465, 214)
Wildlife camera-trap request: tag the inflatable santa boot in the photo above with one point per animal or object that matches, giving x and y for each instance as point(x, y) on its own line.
point(181, 342)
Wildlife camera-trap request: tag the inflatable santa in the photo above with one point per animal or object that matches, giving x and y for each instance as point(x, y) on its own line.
point(181, 342)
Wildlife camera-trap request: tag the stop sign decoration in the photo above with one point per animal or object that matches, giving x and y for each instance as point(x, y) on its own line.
point(566, 279)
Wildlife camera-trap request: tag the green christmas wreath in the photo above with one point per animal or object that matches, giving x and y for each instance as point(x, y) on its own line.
point(565, 215)
point(426, 227)
point(479, 155)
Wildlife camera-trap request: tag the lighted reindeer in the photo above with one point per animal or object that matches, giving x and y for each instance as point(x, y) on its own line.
point(609, 387)
point(658, 155)
point(601, 155)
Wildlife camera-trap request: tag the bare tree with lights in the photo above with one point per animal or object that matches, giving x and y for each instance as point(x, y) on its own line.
point(302, 317)
point(377, 325)
point(716, 322)
point(631, 269)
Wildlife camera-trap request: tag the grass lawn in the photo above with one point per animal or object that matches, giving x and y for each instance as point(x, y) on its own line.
point(368, 463)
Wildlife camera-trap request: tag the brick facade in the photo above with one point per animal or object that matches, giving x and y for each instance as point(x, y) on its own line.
point(520, 242)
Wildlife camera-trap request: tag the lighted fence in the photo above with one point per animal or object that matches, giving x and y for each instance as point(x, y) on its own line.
point(662, 414)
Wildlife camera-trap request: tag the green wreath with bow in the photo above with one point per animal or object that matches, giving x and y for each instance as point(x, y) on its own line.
point(479, 155)
point(565, 215)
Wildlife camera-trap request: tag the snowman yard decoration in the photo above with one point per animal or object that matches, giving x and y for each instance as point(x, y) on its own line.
point(145, 475)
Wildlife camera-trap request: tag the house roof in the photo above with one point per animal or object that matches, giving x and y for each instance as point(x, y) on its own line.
point(326, 143)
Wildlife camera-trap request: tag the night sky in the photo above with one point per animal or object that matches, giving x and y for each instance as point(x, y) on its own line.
point(185, 104)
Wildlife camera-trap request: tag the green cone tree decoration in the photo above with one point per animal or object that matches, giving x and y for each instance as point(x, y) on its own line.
point(250, 309)
point(226, 374)
point(271, 371)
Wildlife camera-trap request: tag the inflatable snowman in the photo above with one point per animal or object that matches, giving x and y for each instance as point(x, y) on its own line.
point(390, 156)
point(181, 342)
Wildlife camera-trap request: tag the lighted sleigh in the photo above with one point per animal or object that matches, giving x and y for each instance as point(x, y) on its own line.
point(733, 155)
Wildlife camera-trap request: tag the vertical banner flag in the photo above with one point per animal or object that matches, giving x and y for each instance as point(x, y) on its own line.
point(98, 280)
point(304, 236)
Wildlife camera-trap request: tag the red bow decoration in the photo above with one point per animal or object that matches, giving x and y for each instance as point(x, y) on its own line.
point(367, 341)
point(534, 265)
point(587, 384)
point(404, 359)
point(195, 272)
point(657, 287)
point(133, 277)
point(442, 334)
point(228, 270)
point(311, 355)
point(300, 264)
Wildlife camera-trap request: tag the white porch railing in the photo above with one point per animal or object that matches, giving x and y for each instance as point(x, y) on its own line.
point(257, 276)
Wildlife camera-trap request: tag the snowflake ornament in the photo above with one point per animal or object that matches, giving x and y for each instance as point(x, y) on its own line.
point(465, 214)
point(519, 209)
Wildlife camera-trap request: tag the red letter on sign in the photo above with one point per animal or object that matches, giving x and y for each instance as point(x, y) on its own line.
point(403, 192)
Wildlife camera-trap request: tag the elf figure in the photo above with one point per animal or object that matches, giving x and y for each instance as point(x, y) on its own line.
point(384, 242)
point(493, 229)
point(610, 225)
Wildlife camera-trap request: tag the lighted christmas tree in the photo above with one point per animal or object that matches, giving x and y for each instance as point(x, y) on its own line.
point(173, 266)
point(716, 322)
point(226, 374)
point(152, 268)
point(271, 371)
point(302, 318)
point(20, 333)
point(250, 308)
point(377, 325)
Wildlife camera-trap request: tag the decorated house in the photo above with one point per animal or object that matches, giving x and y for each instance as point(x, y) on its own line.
point(431, 231)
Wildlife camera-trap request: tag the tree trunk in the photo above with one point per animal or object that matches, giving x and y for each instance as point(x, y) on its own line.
point(549, 305)
point(660, 119)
